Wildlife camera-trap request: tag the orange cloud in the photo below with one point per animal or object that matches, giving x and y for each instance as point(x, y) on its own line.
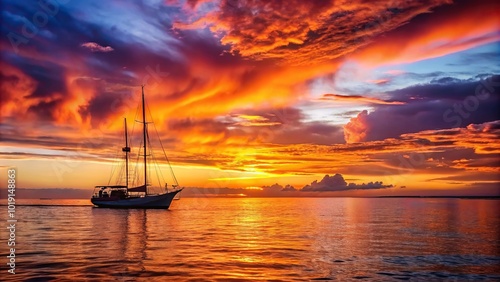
point(15, 86)
point(251, 120)
point(356, 130)
point(303, 32)
point(415, 158)
point(192, 94)
point(464, 27)
point(241, 85)
point(21, 103)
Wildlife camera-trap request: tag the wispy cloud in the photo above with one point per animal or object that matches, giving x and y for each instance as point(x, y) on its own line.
point(359, 99)
point(94, 47)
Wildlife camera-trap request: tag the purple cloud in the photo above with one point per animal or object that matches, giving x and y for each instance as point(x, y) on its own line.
point(337, 183)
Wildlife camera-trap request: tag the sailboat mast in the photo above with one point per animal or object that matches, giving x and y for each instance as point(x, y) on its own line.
point(126, 150)
point(144, 129)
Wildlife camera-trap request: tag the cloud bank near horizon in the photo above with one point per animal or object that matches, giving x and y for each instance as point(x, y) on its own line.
point(329, 183)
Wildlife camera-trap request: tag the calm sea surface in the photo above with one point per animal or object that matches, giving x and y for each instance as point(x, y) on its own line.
point(238, 239)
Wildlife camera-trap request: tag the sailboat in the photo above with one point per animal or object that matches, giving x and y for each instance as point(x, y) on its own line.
point(123, 196)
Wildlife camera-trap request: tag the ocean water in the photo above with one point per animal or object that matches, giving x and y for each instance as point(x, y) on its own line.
point(268, 239)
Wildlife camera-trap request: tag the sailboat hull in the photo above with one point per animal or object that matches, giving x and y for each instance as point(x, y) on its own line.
point(161, 201)
point(119, 196)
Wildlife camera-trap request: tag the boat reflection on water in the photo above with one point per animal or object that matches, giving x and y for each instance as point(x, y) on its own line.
point(221, 239)
point(123, 237)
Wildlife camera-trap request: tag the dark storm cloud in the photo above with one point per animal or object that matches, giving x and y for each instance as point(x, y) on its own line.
point(443, 103)
point(449, 88)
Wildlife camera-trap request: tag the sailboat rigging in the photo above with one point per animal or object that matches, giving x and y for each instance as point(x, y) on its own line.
point(123, 196)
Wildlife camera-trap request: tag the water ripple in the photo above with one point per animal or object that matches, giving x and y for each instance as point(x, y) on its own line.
point(261, 240)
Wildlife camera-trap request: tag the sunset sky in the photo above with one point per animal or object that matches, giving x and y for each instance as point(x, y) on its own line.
point(384, 97)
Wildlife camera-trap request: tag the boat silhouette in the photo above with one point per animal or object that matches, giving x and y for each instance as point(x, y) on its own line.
point(123, 196)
